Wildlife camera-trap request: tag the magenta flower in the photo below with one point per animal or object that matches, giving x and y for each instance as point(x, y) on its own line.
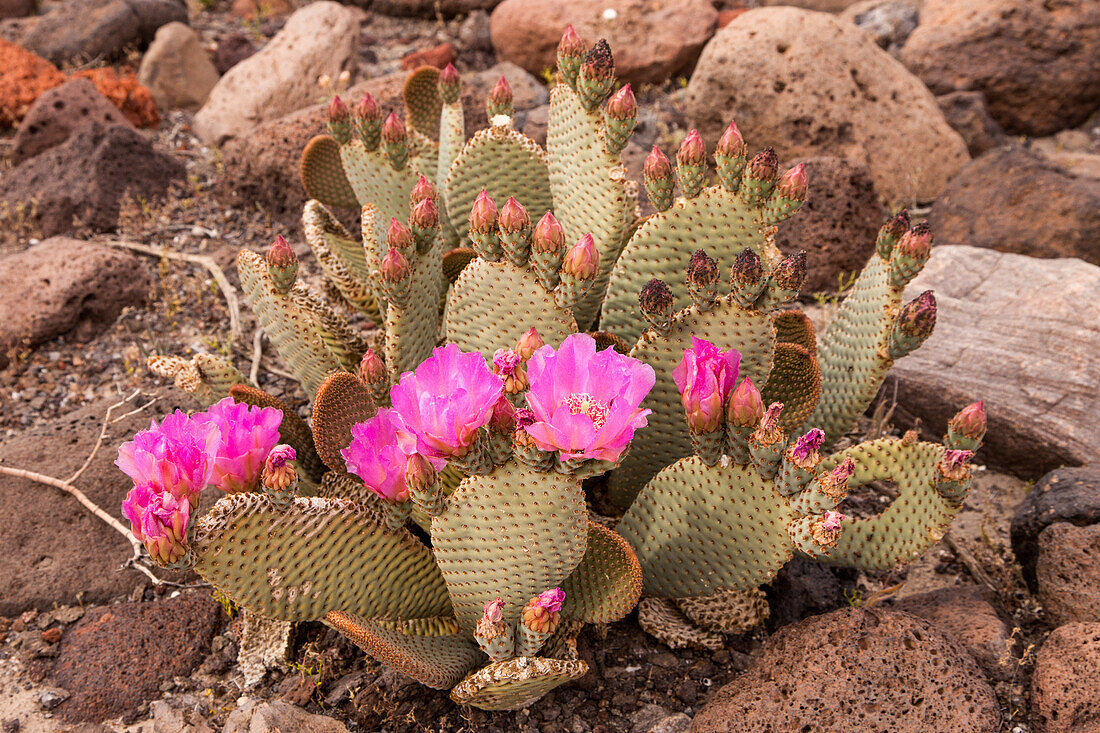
point(248, 433)
point(832, 521)
point(551, 600)
point(586, 404)
point(705, 377)
point(956, 459)
point(444, 402)
point(506, 361)
point(378, 454)
point(177, 456)
point(159, 520)
point(805, 448)
point(541, 612)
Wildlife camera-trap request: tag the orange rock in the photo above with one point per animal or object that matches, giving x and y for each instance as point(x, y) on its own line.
point(439, 57)
point(23, 76)
point(126, 93)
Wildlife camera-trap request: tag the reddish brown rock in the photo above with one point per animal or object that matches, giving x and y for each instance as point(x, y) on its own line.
point(1037, 63)
point(63, 286)
point(232, 50)
point(1064, 495)
point(85, 178)
point(429, 8)
point(437, 56)
point(125, 92)
point(967, 114)
point(651, 40)
point(59, 111)
point(17, 8)
point(1065, 689)
point(725, 17)
point(115, 658)
point(856, 670)
point(1013, 200)
point(1068, 573)
point(23, 77)
point(837, 225)
point(966, 615)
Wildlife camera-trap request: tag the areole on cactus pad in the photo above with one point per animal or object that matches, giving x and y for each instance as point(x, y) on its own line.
point(477, 403)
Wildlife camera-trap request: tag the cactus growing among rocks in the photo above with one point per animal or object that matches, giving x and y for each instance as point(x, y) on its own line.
point(484, 442)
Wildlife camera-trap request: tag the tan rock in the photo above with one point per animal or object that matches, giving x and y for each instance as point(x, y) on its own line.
point(176, 69)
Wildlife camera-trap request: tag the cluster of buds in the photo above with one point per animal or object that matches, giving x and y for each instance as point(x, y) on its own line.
point(424, 215)
point(596, 76)
point(282, 265)
point(279, 478)
point(540, 618)
point(706, 376)
point(508, 365)
point(910, 254)
point(913, 325)
point(499, 103)
point(395, 272)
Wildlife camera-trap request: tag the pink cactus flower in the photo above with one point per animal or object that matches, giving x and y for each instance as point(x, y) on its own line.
point(506, 361)
point(177, 456)
point(832, 521)
point(444, 402)
point(248, 433)
point(956, 459)
point(494, 611)
point(586, 404)
point(159, 520)
point(705, 377)
point(805, 448)
point(551, 600)
point(378, 454)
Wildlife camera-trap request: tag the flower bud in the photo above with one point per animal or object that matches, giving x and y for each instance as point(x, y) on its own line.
point(483, 215)
point(656, 165)
point(338, 111)
point(282, 264)
point(500, 100)
point(917, 242)
point(764, 166)
point(748, 271)
point(529, 343)
point(598, 62)
point(368, 122)
point(692, 151)
point(503, 421)
point(793, 184)
point(571, 49)
point(918, 317)
point(395, 267)
point(277, 473)
point(731, 144)
point(542, 613)
point(424, 215)
point(790, 273)
point(970, 421)
point(393, 130)
point(450, 86)
point(548, 236)
point(893, 230)
point(702, 279)
point(424, 189)
point(582, 261)
point(398, 236)
point(745, 407)
point(368, 108)
point(622, 105)
point(513, 217)
point(805, 448)
point(420, 474)
point(372, 370)
point(656, 302)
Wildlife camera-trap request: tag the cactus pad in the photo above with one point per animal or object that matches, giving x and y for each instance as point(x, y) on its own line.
point(728, 611)
point(318, 554)
point(607, 583)
point(205, 377)
point(377, 184)
point(422, 101)
point(660, 618)
point(516, 683)
point(795, 380)
point(293, 430)
point(342, 401)
point(795, 327)
point(323, 174)
point(341, 257)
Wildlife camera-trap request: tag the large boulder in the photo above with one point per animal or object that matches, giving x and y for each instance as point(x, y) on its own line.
point(428, 8)
point(81, 30)
point(1065, 689)
point(1020, 333)
point(651, 40)
point(1014, 200)
point(1064, 495)
point(1037, 63)
point(823, 6)
point(856, 670)
point(809, 84)
point(59, 111)
point(177, 70)
point(84, 179)
point(23, 77)
point(63, 286)
point(967, 114)
point(321, 38)
point(1068, 573)
point(255, 716)
point(838, 223)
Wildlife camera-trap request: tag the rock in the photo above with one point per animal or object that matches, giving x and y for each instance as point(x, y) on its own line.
point(1065, 495)
point(24, 77)
point(59, 111)
point(51, 697)
point(1036, 63)
point(857, 670)
point(253, 9)
point(177, 70)
point(82, 30)
point(651, 40)
point(65, 285)
point(232, 50)
point(429, 8)
point(1065, 689)
point(725, 17)
point(966, 615)
point(1014, 200)
point(475, 33)
point(278, 717)
point(42, 565)
point(437, 56)
point(1068, 572)
point(125, 92)
point(115, 658)
point(822, 6)
point(172, 715)
point(17, 8)
point(967, 114)
point(888, 21)
point(1023, 335)
point(802, 588)
point(535, 124)
point(320, 38)
point(837, 225)
point(86, 177)
point(811, 85)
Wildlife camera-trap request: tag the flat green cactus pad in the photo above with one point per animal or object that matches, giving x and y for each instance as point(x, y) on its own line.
point(377, 184)
point(665, 439)
point(795, 381)
point(505, 163)
point(516, 683)
point(917, 519)
point(608, 582)
point(716, 220)
point(341, 257)
point(341, 402)
point(422, 101)
point(592, 192)
point(492, 304)
point(511, 534)
point(323, 176)
point(299, 563)
point(292, 331)
point(340, 485)
point(293, 431)
point(728, 611)
point(742, 517)
point(435, 661)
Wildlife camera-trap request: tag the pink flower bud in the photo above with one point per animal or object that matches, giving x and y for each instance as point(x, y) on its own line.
point(513, 217)
point(970, 421)
point(844, 470)
point(917, 242)
point(503, 421)
point(450, 85)
point(368, 108)
point(692, 151)
point(337, 110)
point(793, 184)
point(731, 143)
point(278, 474)
point(764, 166)
point(424, 189)
point(494, 611)
point(420, 474)
point(281, 254)
point(501, 94)
point(541, 614)
point(395, 267)
point(372, 370)
point(745, 407)
point(582, 261)
point(622, 105)
point(656, 165)
point(529, 343)
point(424, 215)
point(398, 236)
point(705, 377)
point(832, 520)
point(806, 447)
point(571, 44)
point(483, 215)
point(393, 130)
point(549, 235)
point(505, 362)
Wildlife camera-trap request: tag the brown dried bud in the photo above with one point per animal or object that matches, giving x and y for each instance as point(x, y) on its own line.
point(764, 166)
point(598, 62)
point(747, 269)
point(656, 300)
point(790, 273)
point(702, 270)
